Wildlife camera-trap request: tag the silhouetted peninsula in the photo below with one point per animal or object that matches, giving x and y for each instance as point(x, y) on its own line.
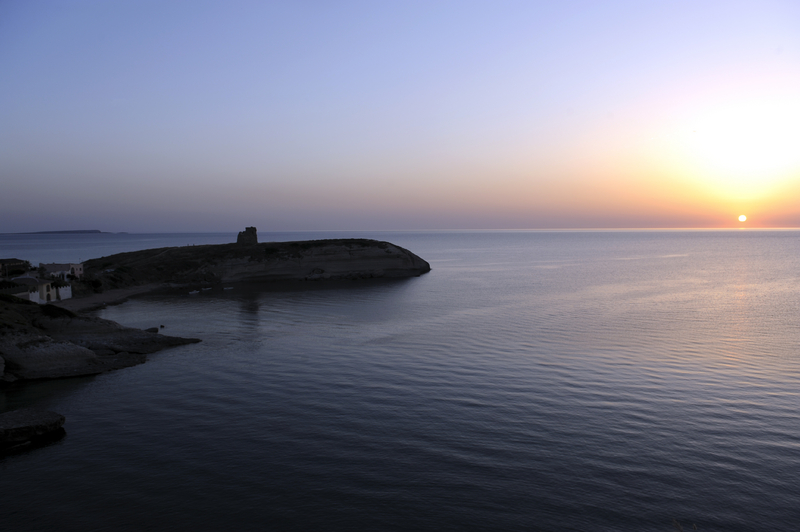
point(248, 260)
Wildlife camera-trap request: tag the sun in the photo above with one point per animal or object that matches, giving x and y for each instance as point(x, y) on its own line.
point(742, 218)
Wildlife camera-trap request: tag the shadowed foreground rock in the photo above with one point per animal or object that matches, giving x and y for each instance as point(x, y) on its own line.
point(28, 427)
point(45, 342)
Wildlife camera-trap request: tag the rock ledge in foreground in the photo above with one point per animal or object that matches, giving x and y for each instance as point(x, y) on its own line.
point(28, 427)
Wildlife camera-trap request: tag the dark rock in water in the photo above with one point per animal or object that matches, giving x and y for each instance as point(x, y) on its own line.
point(152, 330)
point(248, 237)
point(27, 427)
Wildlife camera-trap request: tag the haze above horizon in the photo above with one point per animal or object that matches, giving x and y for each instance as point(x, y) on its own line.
point(183, 116)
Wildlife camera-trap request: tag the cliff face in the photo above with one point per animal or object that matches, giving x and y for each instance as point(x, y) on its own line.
point(309, 260)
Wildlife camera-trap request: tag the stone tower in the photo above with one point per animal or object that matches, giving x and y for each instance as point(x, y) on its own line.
point(247, 237)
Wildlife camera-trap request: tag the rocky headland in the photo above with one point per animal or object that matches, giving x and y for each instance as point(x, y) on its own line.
point(248, 260)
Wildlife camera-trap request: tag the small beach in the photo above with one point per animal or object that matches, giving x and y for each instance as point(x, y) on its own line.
point(110, 297)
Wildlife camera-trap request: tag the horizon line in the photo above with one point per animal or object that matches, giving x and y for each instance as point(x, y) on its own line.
point(557, 229)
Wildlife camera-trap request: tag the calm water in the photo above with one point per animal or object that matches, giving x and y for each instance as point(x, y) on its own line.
point(532, 381)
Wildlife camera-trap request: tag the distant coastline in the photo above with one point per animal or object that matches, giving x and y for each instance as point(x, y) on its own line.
point(71, 232)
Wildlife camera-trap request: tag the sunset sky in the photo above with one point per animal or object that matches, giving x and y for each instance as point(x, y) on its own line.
point(209, 116)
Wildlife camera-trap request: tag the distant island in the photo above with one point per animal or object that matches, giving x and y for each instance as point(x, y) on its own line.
point(71, 232)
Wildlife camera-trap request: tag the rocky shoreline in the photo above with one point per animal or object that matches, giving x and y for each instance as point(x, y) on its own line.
point(48, 342)
point(52, 341)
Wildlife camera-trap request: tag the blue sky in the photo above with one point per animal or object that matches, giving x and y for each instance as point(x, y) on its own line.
point(174, 116)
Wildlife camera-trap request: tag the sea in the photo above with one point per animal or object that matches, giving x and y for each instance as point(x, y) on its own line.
point(533, 380)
